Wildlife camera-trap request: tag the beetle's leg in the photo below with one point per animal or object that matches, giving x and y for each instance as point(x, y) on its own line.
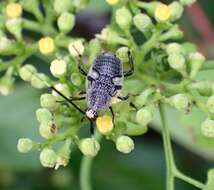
point(124, 98)
point(80, 62)
point(131, 66)
point(133, 106)
point(112, 113)
point(91, 127)
point(68, 100)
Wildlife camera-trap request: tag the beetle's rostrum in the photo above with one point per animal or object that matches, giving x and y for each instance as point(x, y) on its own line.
point(104, 79)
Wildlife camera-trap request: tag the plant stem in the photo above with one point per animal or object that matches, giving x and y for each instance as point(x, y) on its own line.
point(85, 169)
point(189, 180)
point(168, 151)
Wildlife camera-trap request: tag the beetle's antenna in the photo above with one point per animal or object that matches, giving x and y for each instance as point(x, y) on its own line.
point(58, 92)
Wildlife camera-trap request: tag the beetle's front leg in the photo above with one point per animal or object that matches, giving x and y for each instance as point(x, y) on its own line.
point(131, 66)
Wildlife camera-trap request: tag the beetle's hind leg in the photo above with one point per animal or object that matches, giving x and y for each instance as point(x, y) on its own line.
point(80, 62)
point(131, 66)
point(113, 115)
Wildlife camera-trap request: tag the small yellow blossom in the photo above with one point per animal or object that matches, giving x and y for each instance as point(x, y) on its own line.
point(112, 2)
point(162, 12)
point(104, 124)
point(46, 45)
point(13, 10)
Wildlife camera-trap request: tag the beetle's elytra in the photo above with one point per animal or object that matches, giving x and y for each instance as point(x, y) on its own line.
point(104, 79)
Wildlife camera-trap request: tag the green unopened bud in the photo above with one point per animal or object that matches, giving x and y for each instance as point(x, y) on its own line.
point(142, 22)
point(66, 22)
point(94, 49)
point(63, 154)
point(6, 85)
point(210, 104)
point(210, 180)
point(89, 147)
point(24, 145)
point(133, 129)
point(142, 98)
point(150, 7)
point(207, 128)
point(122, 54)
point(76, 48)
point(111, 37)
point(49, 101)
point(143, 116)
point(76, 79)
point(173, 33)
point(48, 158)
point(204, 88)
point(38, 80)
point(63, 88)
point(176, 10)
point(124, 144)
point(187, 2)
point(177, 62)
point(14, 26)
point(61, 6)
point(58, 67)
point(5, 45)
point(43, 115)
point(123, 17)
point(47, 130)
point(172, 48)
point(196, 62)
point(180, 101)
point(81, 4)
point(26, 72)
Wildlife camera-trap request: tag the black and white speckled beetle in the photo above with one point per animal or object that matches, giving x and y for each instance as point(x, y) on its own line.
point(104, 80)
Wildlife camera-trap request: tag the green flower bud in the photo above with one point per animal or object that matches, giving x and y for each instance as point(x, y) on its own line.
point(14, 26)
point(111, 37)
point(187, 2)
point(180, 101)
point(66, 22)
point(49, 101)
point(89, 146)
point(43, 115)
point(210, 104)
point(204, 88)
point(76, 48)
point(210, 180)
point(5, 45)
point(122, 54)
point(124, 144)
point(142, 98)
point(123, 17)
point(76, 79)
point(142, 22)
point(143, 116)
point(6, 85)
point(63, 154)
point(174, 48)
point(24, 145)
point(176, 10)
point(38, 80)
point(196, 62)
point(173, 33)
point(133, 129)
point(63, 88)
point(207, 128)
point(47, 130)
point(26, 72)
point(150, 7)
point(48, 158)
point(94, 49)
point(61, 6)
point(177, 62)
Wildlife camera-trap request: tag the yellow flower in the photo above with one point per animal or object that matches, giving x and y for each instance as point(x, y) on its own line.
point(112, 2)
point(162, 12)
point(13, 10)
point(104, 124)
point(46, 45)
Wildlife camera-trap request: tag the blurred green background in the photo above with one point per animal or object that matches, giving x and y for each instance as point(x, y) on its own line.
point(144, 168)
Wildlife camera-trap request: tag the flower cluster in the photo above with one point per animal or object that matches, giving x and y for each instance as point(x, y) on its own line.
point(166, 71)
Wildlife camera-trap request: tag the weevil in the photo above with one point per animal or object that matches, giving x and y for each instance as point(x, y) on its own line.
point(103, 81)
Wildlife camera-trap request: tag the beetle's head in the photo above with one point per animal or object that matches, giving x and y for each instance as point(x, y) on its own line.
point(91, 114)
